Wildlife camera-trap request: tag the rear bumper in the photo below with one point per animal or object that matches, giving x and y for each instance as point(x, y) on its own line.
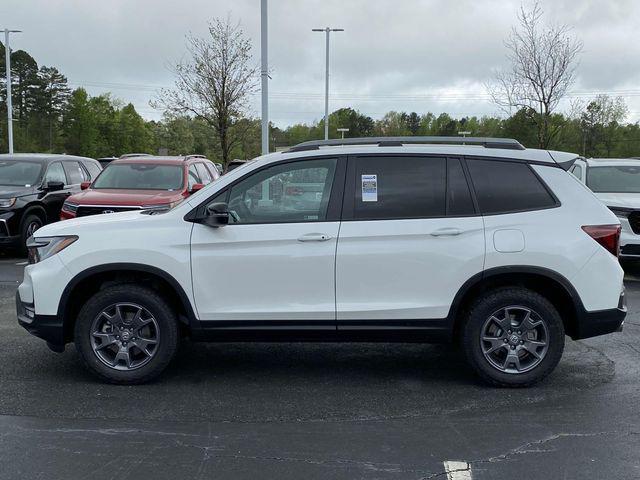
point(47, 327)
point(601, 322)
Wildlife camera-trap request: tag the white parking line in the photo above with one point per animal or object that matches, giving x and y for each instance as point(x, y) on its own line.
point(21, 264)
point(457, 470)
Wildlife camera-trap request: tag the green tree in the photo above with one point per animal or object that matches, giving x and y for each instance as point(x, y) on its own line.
point(79, 125)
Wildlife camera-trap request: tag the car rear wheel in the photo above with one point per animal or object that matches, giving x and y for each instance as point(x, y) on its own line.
point(513, 337)
point(126, 334)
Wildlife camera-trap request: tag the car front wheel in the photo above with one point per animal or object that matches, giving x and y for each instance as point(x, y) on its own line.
point(513, 337)
point(126, 334)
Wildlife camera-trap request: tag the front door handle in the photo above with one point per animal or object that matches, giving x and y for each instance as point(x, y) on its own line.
point(314, 237)
point(446, 232)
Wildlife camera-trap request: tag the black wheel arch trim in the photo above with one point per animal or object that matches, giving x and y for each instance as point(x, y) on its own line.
point(32, 208)
point(123, 268)
point(516, 269)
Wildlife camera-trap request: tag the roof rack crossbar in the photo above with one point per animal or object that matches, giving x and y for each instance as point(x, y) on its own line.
point(487, 142)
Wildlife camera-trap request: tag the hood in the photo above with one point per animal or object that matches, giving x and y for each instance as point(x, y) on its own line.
point(8, 191)
point(77, 225)
point(626, 200)
point(133, 198)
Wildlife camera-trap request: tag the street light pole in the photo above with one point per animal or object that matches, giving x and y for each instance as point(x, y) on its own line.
point(7, 57)
point(327, 31)
point(264, 73)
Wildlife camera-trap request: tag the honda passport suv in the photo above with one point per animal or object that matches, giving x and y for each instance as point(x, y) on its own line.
point(419, 239)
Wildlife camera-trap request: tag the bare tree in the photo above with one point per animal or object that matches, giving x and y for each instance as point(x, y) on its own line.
point(543, 63)
point(215, 83)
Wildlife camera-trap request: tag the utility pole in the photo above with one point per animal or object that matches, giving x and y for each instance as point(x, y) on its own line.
point(264, 73)
point(7, 57)
point(327, 31)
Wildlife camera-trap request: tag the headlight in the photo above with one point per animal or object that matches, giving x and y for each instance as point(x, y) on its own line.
point(621, 212)
point(44, 247)
point(70, 207)
point(7, 202)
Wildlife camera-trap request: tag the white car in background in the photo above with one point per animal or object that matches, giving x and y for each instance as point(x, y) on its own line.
point(616, 182)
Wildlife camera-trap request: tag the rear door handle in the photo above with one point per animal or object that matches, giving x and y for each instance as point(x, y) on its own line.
point(314, 237)
point(446, 232)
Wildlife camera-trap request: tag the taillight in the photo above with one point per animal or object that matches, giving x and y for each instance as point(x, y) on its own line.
point(606, 235)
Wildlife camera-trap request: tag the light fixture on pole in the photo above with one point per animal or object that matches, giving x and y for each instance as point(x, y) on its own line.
point(7, 56)
point(264, 73)
point(327, 31)
point(343, 131)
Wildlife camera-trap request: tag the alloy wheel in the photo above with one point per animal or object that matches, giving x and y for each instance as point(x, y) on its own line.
point(514, 339)
point(125, 336)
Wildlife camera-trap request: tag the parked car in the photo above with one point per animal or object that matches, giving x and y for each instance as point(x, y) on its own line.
point(487, 244)
point(616, 182)
point(139, 183)
point(33, 188)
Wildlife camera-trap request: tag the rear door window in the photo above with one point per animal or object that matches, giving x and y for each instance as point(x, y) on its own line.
point(399, 187)
point(459, 200)
point(74, 172)
point(193, 177)
point(505, 187)
point(93, 169)
point(204, 174)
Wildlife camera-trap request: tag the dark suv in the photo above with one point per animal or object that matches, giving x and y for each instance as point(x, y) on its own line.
point(33, 188)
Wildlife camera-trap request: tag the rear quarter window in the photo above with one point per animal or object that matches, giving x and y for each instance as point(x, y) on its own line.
point(505, 187)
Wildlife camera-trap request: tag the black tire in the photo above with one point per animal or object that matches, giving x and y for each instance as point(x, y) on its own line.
point(152, 302)
point(477, 319)
point(29, 224)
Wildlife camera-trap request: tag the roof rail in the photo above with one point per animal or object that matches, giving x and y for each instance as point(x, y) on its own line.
point(187, 157)
point(487, 142)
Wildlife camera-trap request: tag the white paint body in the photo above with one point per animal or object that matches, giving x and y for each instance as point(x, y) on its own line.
point(390, 269)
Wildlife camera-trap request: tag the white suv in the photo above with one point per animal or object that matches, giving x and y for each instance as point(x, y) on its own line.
point(426, 239)
point(616, 182)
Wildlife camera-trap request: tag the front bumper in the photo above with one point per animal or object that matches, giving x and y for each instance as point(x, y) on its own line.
point(8, 237)
point(601, 322)
point(47, 327)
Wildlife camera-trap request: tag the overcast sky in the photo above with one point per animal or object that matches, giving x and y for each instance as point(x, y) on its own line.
point(412, 55)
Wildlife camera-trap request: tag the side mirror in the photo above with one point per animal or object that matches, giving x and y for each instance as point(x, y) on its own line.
point(217, 215)
point(196, 186)
point(84, 185)
point(54, 186)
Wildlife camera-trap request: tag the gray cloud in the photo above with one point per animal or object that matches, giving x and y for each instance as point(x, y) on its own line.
point(422, 55)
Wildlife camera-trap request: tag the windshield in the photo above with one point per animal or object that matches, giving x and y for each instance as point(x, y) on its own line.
point(614, 179)
point(140, 176)
point(19, 174)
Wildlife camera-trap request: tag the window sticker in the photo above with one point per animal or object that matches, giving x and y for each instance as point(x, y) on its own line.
point(369, 188)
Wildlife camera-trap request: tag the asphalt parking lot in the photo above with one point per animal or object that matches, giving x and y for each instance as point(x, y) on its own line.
point(318, 411)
